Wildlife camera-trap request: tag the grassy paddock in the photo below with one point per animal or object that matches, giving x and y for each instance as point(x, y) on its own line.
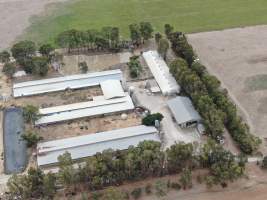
point(185, 15)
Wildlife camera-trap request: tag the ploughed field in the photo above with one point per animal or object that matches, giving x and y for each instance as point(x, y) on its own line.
point(187, 16)
point(238, 58)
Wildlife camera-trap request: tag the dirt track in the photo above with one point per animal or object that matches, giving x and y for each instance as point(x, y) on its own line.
point(238, 58)
point(15, 15)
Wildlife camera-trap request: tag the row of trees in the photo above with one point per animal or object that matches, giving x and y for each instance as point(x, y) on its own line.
point(108, 38)
point(114, 167)
point(210, 99)
point(196, 89)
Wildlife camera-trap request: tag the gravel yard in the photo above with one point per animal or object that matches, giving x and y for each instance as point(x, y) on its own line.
point(238, 58)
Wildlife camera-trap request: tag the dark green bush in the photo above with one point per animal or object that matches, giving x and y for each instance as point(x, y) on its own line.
point(150, 119)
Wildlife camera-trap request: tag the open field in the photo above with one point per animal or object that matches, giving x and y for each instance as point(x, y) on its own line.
point(238, 58)
point(14, 17)
point(186, 16)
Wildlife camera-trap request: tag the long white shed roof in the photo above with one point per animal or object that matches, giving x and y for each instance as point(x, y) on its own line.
point(84, 109)
point(61, 83)
point(160, 71)
point(88, 145)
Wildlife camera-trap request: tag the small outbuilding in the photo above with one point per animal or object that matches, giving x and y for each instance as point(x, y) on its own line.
point(184, 112)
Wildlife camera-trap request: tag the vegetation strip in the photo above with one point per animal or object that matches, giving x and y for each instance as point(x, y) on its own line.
point(209, 98)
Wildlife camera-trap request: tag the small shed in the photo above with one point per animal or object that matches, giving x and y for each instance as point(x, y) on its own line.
point(184, 112)
point(152, 86)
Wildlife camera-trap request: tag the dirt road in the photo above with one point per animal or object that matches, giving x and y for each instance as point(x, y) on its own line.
point(15, 15)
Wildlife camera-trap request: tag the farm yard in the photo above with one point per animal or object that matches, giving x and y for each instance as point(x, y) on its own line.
point(108, 99)
point(187, 16)
point(238, 58)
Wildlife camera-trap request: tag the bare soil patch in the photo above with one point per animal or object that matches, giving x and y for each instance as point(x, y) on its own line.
point(87, 126)
point(15, 15)
point(238, 58)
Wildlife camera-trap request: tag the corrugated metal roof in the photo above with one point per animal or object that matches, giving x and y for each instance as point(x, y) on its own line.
point(183, 110)
point(84, 109)
point(61, 83)
point(160, 71)
point(112, 89)
point(89, 145)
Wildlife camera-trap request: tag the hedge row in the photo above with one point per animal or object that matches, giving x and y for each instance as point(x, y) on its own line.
point(236, 127)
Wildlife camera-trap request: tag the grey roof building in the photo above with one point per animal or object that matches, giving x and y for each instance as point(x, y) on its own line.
point(88, 145)
point(183, 111)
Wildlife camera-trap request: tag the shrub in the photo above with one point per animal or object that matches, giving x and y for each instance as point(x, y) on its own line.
point(161, 188)
point(175, 186)
point(9, 69)
point(83, 67)
point(32, 138)
point(264, 163)
point(30, 114)
point(134, 66)
point(136, 193)
point(4, 56)
point(150, 119)
point(148, 188)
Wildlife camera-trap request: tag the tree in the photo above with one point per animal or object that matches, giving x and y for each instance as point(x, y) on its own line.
point(66, 173)
point(134, 66)
point(158, 36)
point(135, 34)
point(146, 30)
point(83, 67)
point(150, 119)
point(9, 69)
point(223, 165)
point(46, 50)
point(28, 186)
point(186, 178)
point(179, 156)
point(23, 50)
point(163, 47)
point(30, 113)
point(4, 56)
point(49, 185)
point(40, 66)
point(168, 29)
point(32, 138)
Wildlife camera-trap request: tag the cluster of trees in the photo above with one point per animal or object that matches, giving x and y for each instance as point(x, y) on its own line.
point(210, 99)
point(114, 167)
point(108, 38)
point(33, 185)
point(141, 32)
point(25, 54)
point(134, 66)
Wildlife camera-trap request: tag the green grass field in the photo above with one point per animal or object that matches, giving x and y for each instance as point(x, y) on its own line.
point(185, 15)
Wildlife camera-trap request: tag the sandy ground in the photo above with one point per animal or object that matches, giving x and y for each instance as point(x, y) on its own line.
point(86, 126)
point(15, 15)
point(238, 58)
